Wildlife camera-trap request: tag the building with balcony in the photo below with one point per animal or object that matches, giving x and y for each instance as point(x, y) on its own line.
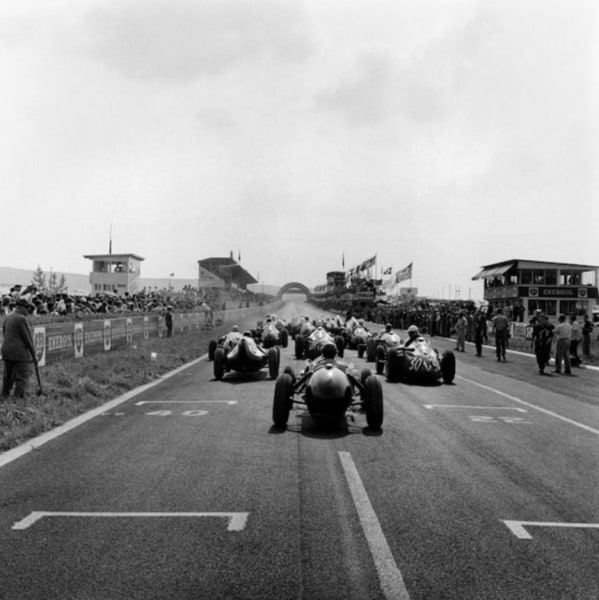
point(521, 286)
point(115, 273)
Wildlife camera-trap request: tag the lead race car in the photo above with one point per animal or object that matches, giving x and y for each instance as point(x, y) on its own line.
point(418, 361)
point(242, 354)
point(329, 389)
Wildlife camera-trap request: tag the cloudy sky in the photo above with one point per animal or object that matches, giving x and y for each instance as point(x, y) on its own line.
point(444, 133)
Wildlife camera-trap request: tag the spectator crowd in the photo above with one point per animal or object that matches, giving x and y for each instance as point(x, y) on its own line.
point(50, 305)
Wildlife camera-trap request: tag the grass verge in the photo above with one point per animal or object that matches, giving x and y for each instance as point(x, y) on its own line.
point(73, 387)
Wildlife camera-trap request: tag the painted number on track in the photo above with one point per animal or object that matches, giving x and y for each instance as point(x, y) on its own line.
point(512, 420)
point(169, 413)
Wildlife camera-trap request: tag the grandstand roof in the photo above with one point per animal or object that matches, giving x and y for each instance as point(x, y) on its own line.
point(229, 269)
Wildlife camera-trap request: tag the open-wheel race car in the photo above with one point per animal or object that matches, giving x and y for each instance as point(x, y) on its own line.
point(329, 389)
point(271, 333)
point(311, 345)
point(418, 361)
point(358, 338)
point(243, 355)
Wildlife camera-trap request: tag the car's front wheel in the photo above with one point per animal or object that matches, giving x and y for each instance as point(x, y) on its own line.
point(373, 406)
point(448, 366)
point(219, 363)
point(282, 401)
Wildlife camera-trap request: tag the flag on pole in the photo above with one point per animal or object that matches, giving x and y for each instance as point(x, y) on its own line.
point(404, 274)
point(368, 263)
point(388, 271)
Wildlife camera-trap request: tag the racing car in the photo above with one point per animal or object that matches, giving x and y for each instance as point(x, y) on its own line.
point(418, 361)
point(329, 389)
point(244, 356)
point(383, 343)
point(358, 338)
point(271, 333)
point(311, 345)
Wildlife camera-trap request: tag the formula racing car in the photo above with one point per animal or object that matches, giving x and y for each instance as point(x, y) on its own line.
point(311, 345)
point(418, 361)
point(328, 388)
point(243, 355)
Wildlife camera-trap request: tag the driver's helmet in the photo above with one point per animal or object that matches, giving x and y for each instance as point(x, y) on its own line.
point(329, 350)
point(235, 328)
point(388, 327)
point(413, 331)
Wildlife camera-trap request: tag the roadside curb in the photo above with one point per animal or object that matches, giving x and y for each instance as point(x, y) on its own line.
point(35, 443)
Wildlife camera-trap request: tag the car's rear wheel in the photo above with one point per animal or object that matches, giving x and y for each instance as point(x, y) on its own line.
point(219, 363)
point(273, 362)
point(290, 371)
point(393, 365)
point(282, 401)
point(364, 375)
point(381, 357)
point(211, 349)
point(448, 366)
point(299, 346)
point(284, 338)
point(373, 406)
point(370, 350)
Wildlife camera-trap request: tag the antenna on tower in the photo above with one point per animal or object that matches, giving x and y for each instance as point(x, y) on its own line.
point(110, 240)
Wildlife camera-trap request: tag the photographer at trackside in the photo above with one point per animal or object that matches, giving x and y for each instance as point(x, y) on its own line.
point(18, 350)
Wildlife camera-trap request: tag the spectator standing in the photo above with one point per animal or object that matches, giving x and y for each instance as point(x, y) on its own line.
point(461, 326)
point(563, 332)
point(500, 328)
point(587, 329)
point(168, 319)
point(542, 334)
point(480, 331)
point(575, 340)
point(18, 350)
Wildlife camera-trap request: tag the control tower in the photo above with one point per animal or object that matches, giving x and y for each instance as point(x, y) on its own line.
point(117, 273)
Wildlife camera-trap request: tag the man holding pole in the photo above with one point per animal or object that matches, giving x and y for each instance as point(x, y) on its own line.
point(18, 350)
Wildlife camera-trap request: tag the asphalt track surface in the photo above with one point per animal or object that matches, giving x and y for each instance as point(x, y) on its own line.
point(484, 489)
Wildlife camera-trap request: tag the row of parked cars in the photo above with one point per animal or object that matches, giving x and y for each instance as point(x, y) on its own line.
point(327, 386)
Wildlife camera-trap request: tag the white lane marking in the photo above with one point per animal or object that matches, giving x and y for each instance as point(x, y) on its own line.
point(519, 530)
point(533, 406)
point(229, 402)
point(392, 583)
point(431, 406)
point(237, 520)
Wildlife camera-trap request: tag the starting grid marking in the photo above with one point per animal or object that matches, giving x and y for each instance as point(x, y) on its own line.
point(228, 402)
point(518, 528)
point(485, 419)
point(167, 413)
point(432, 406)
point(237, 520)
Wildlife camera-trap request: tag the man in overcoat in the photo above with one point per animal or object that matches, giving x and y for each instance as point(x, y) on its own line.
point(18, 350)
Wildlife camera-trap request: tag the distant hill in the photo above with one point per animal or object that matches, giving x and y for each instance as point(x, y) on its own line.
point(10, 276)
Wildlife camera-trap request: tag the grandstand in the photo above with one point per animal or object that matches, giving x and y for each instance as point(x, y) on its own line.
point(223, 272)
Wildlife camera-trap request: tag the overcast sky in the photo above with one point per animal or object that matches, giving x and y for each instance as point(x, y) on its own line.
point(444, 133)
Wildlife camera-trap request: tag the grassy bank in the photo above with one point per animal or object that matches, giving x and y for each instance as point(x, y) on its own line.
point(73, 387)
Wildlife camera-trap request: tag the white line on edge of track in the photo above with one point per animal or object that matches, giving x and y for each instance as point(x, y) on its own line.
point(392, 582)
point(533, 406)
